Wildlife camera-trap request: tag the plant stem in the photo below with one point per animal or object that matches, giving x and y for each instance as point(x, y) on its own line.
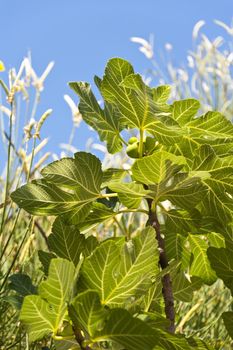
point(17, 254)
point(140, 149)
point(163, 261)
point(80, 339)
point(8, 168)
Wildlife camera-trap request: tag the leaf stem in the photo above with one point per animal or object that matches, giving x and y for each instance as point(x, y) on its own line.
point(132, 211)
point(140, 149)
point(163, 261)
point(108, 195)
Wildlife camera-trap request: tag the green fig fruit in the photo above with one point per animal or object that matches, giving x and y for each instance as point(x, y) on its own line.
point(132, 140)
point(132, 150)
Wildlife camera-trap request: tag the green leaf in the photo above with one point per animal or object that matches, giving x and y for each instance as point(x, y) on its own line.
point(216, 240)
point(182, 191)
point(37, 317)
point(98, 214)
point(210, 127)
point(104, 121)
point(228, 322)
point(174, 245)
point(154, 169)
point(182, 221)
point(45, 259)
point(67, 242)
point(161, 94)
point(169, 341)
point(134, 101)
point(14, 300)
point(184, 110)
point(113, 175)
point(200, 266)
point(43, 314)
point(119, 271)
point(67, 344)
point(154, 294)
point(221, 260)
point(183, 288)
point(219, 185)
point(130, 194)
point(87, 312)
point(22, 284)
point(129, 332)
point(76, 173)
point(81, 175)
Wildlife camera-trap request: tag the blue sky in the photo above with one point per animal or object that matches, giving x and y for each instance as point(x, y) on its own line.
point(80, 36)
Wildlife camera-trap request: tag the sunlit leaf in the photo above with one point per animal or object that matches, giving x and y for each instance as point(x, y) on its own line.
point(81, 175)
point(184, 110)
point(129, 332)
point(130, 194)
point(200, 266)
point(134, 101)
point(153, 169)
point(104, 121)
point(43, 314)
point(119, 272)
point(87, 312)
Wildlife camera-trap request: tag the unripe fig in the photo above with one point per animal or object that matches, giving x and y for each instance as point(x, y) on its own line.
point(132, 140)
point(132, 150)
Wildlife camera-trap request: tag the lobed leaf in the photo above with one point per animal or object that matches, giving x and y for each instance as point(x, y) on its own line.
point(118, 271)
point(200, 266)
point(44, 313)
point(81, 175)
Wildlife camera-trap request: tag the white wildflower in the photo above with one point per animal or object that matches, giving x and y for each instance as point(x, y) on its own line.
point(168, 46)
point(218, 41)
point(69, 148)
point(228, 29)
point(183, 75)
point(146, 46)
point(197, 28)
point(190, 61)
point(146, 80)
point(99, 147)
point(207, 43)
point(230, 58)
point(39, 82)
point(28, 129)
point(40, 123)
point(194, 84)
point(7, 112)
point(76, 115)
point(205, 87)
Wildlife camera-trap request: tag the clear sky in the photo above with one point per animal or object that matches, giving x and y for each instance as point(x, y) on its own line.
point(80, 36)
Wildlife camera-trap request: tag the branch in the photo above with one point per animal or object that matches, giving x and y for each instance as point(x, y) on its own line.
point(163, 261)
point(80, 339)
